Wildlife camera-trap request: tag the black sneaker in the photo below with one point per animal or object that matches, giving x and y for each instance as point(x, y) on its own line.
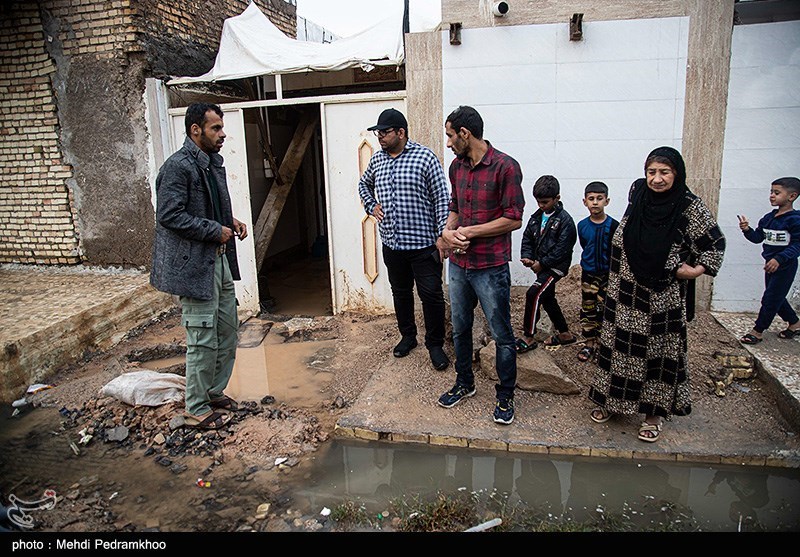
point(456, 395)
point(504, 411)
point(404, 347)
point(439, 359)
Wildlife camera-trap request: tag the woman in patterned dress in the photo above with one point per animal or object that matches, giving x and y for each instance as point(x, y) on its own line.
point(666, 239)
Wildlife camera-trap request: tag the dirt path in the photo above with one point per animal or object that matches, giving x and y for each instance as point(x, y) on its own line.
point(147, 480)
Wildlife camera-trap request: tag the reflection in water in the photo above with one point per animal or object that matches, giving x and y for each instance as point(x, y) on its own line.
point(644, 494)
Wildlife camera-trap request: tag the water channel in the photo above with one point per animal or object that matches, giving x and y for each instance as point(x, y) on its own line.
point(645, 495)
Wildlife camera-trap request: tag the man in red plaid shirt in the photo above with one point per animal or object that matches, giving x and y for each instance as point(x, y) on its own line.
point(486, 206)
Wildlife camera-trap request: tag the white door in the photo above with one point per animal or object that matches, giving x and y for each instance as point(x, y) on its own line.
point(358, 276)
point(234, 152)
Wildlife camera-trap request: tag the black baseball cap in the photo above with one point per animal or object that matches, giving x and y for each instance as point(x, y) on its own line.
point(390, 118)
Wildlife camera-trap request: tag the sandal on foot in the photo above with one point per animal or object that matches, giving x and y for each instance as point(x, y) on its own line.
point(604, 414)
point(224, 402)
point(653, 429)
point(789, 333)
point(586, 353)
point(523, 346)
point(215, 420)
point(750, 339)
point(555, 340)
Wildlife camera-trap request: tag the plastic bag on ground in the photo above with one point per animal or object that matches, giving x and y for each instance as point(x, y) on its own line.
point(146, 388)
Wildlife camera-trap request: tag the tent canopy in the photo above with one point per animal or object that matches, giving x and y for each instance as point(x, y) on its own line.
point(251, 45)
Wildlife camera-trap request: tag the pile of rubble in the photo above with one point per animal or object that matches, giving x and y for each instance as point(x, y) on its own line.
point(161, 432)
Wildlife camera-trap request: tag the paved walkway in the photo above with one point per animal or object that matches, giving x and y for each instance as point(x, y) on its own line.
point(52, 316)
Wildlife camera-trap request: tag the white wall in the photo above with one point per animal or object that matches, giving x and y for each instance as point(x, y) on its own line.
point(579, 110)
point(762, 143)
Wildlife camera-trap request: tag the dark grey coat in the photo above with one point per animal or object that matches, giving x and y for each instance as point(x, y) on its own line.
point(187, 236)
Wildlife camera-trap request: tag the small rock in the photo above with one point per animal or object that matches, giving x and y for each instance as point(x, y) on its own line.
point(178, 468)
point(276, 525)
point(119, 433)
point(269, 399)
point(176, 422)
point(262, 511)
point(159, 439)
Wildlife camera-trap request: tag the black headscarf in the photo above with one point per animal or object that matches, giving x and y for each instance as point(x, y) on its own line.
point(652, 225)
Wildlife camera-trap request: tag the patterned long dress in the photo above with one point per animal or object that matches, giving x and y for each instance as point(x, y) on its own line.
point(641, 361)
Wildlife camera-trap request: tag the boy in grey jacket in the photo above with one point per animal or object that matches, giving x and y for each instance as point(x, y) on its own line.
point(547, 244)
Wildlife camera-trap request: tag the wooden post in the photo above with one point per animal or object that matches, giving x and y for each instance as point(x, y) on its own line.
point(273, 206)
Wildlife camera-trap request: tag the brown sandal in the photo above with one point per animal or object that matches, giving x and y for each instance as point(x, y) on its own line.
point(224, 402)
point(215, 420)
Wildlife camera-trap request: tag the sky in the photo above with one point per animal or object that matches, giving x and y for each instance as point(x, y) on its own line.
point(348, 17)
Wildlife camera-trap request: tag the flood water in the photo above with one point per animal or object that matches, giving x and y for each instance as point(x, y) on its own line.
point(646, 495)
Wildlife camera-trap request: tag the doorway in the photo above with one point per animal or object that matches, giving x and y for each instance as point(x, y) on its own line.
point(294, 277)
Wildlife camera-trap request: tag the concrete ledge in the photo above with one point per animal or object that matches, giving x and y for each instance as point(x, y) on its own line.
point(448, 441)
point(35, 357)
point(611, 453)
point(571, 451)
point(745, 460)
point(367, 434)
point(489, 444)
point(526, 448)
point(653, 455)
point(410, 438)
point(344, 432)
point(709, 459)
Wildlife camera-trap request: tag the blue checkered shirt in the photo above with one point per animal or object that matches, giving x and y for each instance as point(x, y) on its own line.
point(412, 191)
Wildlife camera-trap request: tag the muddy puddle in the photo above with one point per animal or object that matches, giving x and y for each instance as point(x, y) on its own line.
point(132, 492)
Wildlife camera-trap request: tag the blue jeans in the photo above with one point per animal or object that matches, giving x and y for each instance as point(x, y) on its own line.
point(492, 287)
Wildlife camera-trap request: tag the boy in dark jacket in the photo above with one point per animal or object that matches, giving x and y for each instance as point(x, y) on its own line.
point(547, 245)
point(779, 230)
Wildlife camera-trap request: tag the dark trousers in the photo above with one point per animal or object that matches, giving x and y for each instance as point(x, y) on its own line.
point(773, 301)
point(423, 267)
point(542, 295)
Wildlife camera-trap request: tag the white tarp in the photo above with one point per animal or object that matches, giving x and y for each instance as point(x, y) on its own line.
point(251, 45)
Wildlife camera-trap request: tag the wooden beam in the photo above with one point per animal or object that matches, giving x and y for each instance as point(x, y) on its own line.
point(276, 198)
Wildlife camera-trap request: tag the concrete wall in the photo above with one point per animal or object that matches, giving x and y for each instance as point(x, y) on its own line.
point(74, 149)
point(558, 104)
point(762, 143)
point(581, 111)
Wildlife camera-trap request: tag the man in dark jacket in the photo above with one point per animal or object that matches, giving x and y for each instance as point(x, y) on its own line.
point(194, 257)
point(547, 245)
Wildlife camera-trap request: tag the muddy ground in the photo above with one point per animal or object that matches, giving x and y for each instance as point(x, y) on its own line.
point(115, 467)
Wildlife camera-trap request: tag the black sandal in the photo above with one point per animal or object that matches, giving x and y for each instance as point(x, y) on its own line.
point(523, 346)
point(789, 333)
point(750, 339)
point(586, 353)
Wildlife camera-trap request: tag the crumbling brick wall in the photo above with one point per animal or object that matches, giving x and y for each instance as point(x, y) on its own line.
point(73, 148)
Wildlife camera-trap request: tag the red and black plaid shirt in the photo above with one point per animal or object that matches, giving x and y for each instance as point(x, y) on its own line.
point(490, 190)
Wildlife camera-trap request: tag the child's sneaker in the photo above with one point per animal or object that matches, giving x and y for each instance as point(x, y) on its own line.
point(456, 395)
point(504, 411)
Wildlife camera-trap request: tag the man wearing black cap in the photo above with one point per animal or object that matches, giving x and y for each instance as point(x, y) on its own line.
point(405, 189)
